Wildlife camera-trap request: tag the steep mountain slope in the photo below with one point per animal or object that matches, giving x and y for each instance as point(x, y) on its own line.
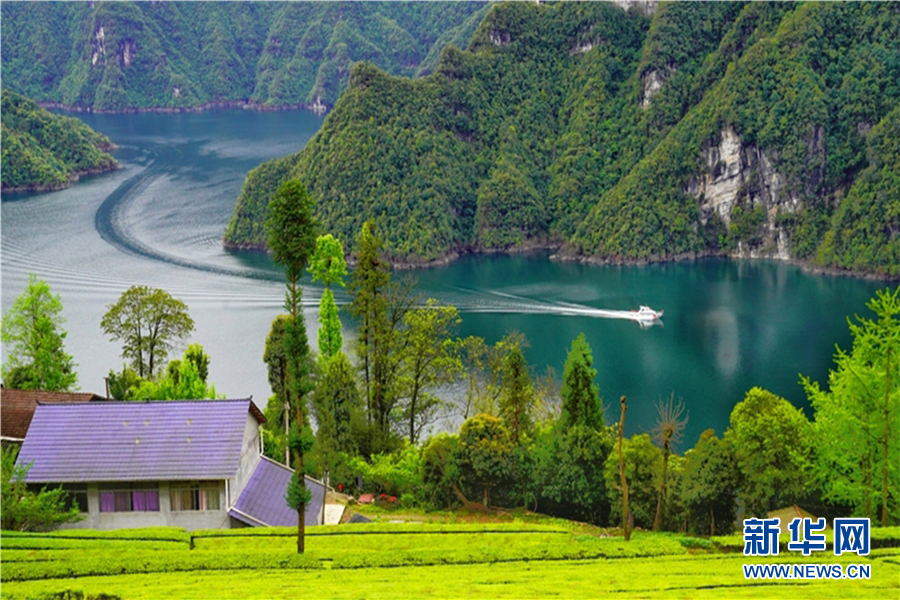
point(423, 155)
point(46, 151)
point(127, 55)
point(750, 129)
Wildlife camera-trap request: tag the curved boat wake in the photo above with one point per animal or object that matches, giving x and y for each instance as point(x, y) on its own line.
point(110, 221)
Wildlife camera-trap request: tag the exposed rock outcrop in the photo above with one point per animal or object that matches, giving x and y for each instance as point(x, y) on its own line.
point(743, 176)
point(500, 38)
point(644, 7)
point(651, 82)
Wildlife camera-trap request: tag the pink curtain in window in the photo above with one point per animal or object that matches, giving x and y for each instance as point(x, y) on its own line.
point(107, 502)
point(152, 501)
point(138, 502)
point(203, 503)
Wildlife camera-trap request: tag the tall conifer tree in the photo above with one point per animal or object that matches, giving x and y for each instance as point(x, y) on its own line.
point(580, 395)
point(291, 230)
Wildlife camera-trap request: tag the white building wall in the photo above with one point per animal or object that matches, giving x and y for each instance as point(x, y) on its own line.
point(250, 453)
point(165, 517)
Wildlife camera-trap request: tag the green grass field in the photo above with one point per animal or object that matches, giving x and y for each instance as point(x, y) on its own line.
point(446, 560)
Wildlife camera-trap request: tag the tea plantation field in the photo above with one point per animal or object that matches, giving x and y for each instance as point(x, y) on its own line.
point(379, 560)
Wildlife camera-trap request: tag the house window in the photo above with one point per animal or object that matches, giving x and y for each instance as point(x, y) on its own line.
point(129, 497)
point(195, 496)
point(76, 493)
point(76, 496)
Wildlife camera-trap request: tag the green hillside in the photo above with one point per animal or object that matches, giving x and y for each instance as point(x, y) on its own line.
point(750, 129)
point(46, 151)
point(123, 55)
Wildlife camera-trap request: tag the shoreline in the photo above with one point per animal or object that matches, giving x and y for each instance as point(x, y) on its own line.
point(803, 265)
point(318, 108)
point(456, 254)
point(72, 180)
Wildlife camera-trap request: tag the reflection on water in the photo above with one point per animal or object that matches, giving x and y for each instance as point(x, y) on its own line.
point(729, 325)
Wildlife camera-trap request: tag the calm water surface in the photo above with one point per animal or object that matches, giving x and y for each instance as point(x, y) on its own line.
point(729, 325)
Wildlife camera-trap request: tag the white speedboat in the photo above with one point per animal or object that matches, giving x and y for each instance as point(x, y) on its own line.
point(645, 314)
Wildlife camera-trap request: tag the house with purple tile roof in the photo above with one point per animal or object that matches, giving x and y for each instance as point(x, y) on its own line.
point(195, 464)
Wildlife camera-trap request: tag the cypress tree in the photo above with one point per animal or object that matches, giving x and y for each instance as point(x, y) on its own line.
point(291, 229)
point(580, 395)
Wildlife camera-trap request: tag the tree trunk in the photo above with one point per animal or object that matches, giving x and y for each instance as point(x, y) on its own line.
point(625, 524)
point(301, 512)
point(412, 414)
point(712, 521)
point(884, 441)
point(287, 429)
point(660, 502)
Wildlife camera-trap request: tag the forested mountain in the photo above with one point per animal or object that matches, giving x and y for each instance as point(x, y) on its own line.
point(751, 129)
point(46, 151)
point(124, 55)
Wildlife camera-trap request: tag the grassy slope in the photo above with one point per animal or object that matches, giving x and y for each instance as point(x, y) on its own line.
point(510, 565)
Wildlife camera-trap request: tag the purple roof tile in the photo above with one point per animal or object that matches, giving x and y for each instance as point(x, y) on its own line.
point(262, 500)
point(135, 441)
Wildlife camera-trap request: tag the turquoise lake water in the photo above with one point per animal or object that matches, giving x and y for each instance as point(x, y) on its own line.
point(728, 325)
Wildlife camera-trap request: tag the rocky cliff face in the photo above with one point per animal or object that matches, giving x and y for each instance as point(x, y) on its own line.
point(742, 176)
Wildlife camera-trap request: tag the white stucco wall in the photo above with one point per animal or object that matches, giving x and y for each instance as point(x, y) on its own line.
point(249, 457)
point(165, 517)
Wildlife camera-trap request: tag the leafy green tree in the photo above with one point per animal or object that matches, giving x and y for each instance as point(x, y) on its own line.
point(291, 231)
point(485, 367)
point(486, 456)
point(24, 510)
point(379, 305)
point(394, 473)
point(200, 359)
point(428, 361)
point(183, 380)
point(582, 404)
point(335, 402)
point(517, 401)
point(123, 384)
point(278, 407)
point(643, 466)
point(328, 264)
point(33, 327)
point(367, 288)
point(329, 267)
point(150, 322)
point(439, 470)
point(709, 481)
point(330, 338)
point(569, 467)
point(772, 444)
point(860, 463)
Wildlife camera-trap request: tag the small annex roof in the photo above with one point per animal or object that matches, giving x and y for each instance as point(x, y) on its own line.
point(178, 440)
point(17, 408)
point(262, 503)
